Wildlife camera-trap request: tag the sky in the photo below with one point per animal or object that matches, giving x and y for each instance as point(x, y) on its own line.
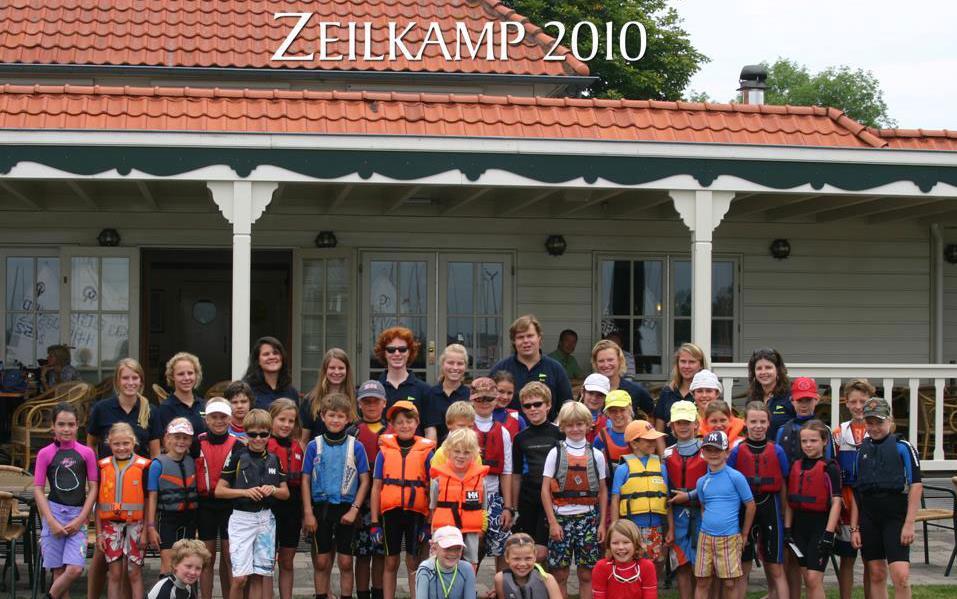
point(911, 47)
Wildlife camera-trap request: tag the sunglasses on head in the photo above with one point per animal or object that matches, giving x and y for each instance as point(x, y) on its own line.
point(259, 435)
point(532, 405)
point(391, 349)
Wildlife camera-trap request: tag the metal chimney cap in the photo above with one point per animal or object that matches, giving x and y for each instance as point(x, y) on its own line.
point(753, 76)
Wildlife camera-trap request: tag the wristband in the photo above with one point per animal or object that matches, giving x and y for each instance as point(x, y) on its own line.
point(151, 524)
point(355, 506)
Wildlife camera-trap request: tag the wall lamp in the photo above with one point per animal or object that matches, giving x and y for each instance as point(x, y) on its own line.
point(555, 245)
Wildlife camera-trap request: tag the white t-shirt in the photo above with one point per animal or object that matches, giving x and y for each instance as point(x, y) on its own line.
point(492, 484)
point(575, 448)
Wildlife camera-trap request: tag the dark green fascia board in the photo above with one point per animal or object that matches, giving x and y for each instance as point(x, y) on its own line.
point(411, 166)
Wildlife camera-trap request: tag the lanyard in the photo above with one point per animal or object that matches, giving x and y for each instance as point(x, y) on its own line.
point(446, 589)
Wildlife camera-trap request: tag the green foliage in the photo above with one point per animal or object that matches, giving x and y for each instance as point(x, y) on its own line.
point(856, 92)
point(670, 59)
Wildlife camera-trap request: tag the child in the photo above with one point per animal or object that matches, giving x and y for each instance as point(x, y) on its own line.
point(495, 446)
point(529, 450)
point(119, 514)
point(719, 417)
point(460, 415)
point(848, 438)
point(213, 520)
point(457, 493)
point(524, 577)
point(509, 418)
point(765, 467)
point(189, 558)
point(369, 556)
point(254, 480)
point(622, 573)
point(804, 398)
point(400, 501)
point(888, 496)
point(573, 486)
point(445, 575)
point(611, 437)
point(173, 496)
point(335, 481)
point(640, 490)
point(71, 469)
point(706, 388)
point(240, 397)
point(814, 506)
point(685, 466)
point(594, 391)
point(721, 492)
point(284, 444)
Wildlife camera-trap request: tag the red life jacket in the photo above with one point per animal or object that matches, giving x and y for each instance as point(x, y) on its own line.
point(763, 470)
point(597, 426)
point(684, 472)
point(809, 490)
point(209, 464)
point(492, 447)
point(613, 451)
point(370, 440)
point(290, 458)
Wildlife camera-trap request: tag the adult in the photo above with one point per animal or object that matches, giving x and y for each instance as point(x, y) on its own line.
point(689, 359)
point(607, 358)
point(631, 370)
point(453, 363)
point(57, 368)
point(396, 348)
point(183, 374)
point(335, 376)
point(564, 354)
point(768, 382)
point(529, 364)
point(268, 373)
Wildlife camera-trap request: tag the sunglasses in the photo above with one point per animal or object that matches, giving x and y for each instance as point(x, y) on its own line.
point(260, 435)
point(483, 399)
point(533, 405)
point(391, 349)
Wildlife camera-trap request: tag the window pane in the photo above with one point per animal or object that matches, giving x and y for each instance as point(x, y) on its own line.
point(337, 286)
point(383, 288)
point(488, 349)
point(647, 283)
point(460, 331)
point(682, 328)
point(116, 284)
point(114, 338)
point(615, 287)
point(20, 284)
point(313, 346)
point(312, 291)
point(48, 283)
point(622, 326)
point(417, 326)
point(722, 289)
point(309, 379)
point(413, 298)
point(490, 288)
point(336, 335)
point(20, 336)
point(460, 288)
point(646, 345)
point(722, 341)
point(682, 282)
point(48, 331)
point(85, 283)
point(84, 335)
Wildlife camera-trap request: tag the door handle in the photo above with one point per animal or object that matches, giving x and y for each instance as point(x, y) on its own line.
point(431, 358)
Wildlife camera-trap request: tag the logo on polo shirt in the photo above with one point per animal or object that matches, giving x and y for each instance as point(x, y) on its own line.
point(541, 377)
point(271, 470)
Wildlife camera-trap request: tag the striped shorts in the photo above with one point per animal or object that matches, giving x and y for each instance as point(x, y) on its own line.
point(718, 556)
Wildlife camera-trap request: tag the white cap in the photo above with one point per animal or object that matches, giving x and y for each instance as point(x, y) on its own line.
point(179, 425)
point(705, 379)
point(448, 536)
point(598, 383)
point(219, 407)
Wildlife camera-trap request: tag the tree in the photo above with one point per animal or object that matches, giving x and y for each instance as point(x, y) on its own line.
point(856, 92)
point(669, 61)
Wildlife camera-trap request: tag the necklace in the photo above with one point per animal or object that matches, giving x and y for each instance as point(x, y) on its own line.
point(446, 589)
point(625, 579)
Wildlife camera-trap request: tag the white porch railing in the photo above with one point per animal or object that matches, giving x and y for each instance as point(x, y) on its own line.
point(880, 375)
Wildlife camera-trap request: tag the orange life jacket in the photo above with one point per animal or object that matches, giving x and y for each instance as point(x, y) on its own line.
point(405, 483)
point(122, 495)
point(613, 451)
point(460, 498)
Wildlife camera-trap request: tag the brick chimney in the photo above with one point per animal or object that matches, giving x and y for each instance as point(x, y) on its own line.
point(752, 83)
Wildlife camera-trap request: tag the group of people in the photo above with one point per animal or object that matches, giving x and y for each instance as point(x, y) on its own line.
point(509, 467)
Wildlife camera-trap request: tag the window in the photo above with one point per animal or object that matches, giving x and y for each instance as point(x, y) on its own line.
point(32, 306)
point(474, 311)
point(325, 313)
point(100, 313)
point(633, 304)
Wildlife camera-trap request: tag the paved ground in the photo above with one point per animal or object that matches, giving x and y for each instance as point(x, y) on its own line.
point(940, 543)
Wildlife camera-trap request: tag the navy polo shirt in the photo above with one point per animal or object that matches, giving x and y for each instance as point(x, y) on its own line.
point(640, 398)
point(548, 371)
point(107, 412)
point(173, 408)
point(438, 404)
point(265, 395)
point(411, 389)
point(782, 410)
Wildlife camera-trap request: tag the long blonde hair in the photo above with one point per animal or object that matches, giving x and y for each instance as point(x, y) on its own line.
point(692, 350)
point(321, 389)
point(143, 416)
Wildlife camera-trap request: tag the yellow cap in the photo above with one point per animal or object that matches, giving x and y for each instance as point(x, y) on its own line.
point(684, 410)
point(617, 399)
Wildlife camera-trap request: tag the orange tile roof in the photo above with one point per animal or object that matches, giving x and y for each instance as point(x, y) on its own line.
point(244, 34)
point(389, 113)
point(919, 139)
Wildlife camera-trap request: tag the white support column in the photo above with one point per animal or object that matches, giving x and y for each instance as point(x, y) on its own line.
point(242, 203)
point(701, 212)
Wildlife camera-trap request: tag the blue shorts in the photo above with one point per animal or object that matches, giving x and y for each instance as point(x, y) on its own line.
point(63, 550)
point(687, 525)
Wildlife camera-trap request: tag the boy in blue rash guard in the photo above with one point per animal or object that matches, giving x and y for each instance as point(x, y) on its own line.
point(804, 397)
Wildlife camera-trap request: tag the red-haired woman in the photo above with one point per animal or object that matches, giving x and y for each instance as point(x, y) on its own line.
point(396, 348)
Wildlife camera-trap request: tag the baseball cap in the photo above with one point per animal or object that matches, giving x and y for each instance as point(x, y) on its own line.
point(683, 410)
point(179, 426)
point(219, 407)
point(371, 388)
point(617, 399)
point(641, 429)
point(716, 439)
point(402, 404)
point(598, 383)
point(705, 379)
point(876, 407)
point(448, 536)
point(803, 387)
point(483, 387)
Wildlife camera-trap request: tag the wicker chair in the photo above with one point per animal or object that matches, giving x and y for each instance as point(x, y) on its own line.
point(32, 422)
point(10, 533)
point(217, 389)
